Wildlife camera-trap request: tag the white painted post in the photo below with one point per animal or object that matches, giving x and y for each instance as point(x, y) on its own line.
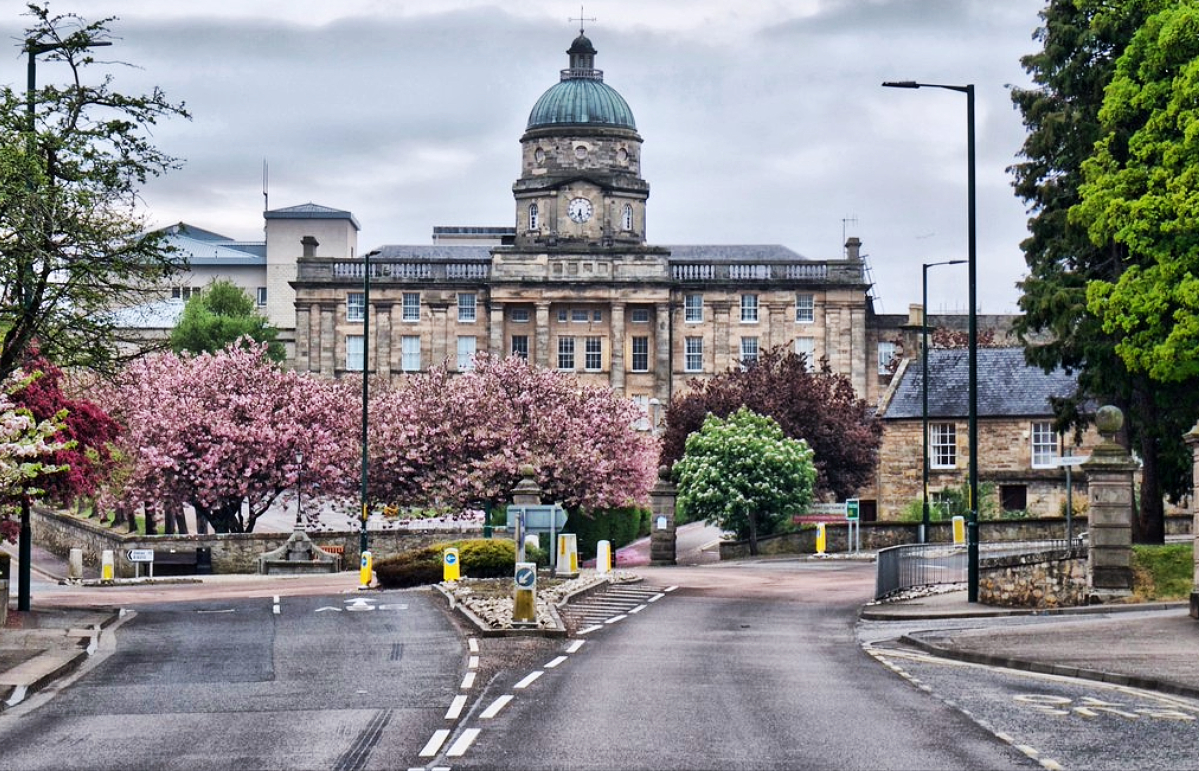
point(603, 557)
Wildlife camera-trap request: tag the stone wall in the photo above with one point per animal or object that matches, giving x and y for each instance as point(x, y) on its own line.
point(231, 552)
point(1045, 580)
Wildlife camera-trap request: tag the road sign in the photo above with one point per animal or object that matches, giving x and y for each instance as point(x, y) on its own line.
point(852, 508)
point(538, 519)
point(1072, 460)
point(526, 576)
point(140, 555)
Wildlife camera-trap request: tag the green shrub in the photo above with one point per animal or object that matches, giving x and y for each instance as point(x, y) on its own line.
point(478, 558)
point(617, 526)
point(487, 557)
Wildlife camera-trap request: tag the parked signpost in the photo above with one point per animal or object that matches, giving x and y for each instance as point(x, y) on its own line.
point(1069, 462)
point(853, 508)
point(141, 557)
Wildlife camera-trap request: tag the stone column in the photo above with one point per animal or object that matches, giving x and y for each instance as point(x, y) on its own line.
point(303, 338)
point(662, 531)
point(541, 330)
point(616, 377)
point(381, 337)
point(721, 334)
point(496, 323)
point(439, 330)
point(1192, 438)
point(662, 351)
point(328, 341)
point(1109, 489)
point(527, 492)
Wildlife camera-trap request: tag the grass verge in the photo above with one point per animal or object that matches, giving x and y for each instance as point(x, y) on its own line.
point(1163, 572)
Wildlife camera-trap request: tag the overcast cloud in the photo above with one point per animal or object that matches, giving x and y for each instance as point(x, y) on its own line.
point(763, 120)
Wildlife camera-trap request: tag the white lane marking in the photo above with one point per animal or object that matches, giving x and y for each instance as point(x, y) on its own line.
point(638, 609)
point(473, 645)
point(435, 741)
point(529, 679)
point(459, 748)
point(574, 646)
point(227, 610)
point(496, 706)
point(455, 709)
point(590, 629)
point(555, 662)
point(614, 619)
point(17, 696)
point(472, 662)
point(468, 681)
point(656, 597)
point(670, 589)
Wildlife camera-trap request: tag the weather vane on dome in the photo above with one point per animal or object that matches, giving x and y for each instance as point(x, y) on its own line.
point(581, 19)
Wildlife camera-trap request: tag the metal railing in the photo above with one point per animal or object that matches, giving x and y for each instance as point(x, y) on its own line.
point(929, 564)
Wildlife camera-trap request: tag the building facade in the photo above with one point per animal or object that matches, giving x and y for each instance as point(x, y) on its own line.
point(574, 285)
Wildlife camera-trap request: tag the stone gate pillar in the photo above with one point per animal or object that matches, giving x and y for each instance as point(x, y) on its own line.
point(662, 534)
point(1192, 438)
point(1109, 489)
point(527, 492)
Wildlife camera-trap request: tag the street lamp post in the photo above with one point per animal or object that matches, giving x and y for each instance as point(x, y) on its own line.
point(363, 545)
point(299, 489)
point(924, 519)
point(972, 260)
point(25, 539)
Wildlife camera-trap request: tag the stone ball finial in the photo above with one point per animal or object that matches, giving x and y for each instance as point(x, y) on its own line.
point(528, 471)
point(663, 471)
point(1109, 420)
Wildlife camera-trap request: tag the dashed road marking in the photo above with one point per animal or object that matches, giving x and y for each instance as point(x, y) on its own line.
point(456, 706)
point(590, 629)
point(574, 646)
point(656, 597)
point(459, 748)
point(494, 708)
point(435, 741)
point(473, 645)
point(637, 609)
point(614, 619)
point(472, 662)
point(555, 662)
point(529, 679)
point(468, 681)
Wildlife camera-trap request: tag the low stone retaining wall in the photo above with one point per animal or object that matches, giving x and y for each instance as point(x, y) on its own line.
point(880, 535)
point(1045, 580)
point(231, 552)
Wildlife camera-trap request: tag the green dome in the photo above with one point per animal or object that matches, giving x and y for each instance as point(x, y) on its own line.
point(581, 100)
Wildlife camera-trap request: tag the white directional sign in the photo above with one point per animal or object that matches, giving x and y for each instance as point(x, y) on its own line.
point(1073, 460)
point(140, 555)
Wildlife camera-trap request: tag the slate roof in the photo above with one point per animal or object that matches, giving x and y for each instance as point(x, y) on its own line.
point(732, 253)
point(211, 252)
point(1007, 386)
point(311, 211)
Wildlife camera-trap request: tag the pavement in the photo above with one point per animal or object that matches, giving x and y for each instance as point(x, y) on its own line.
point(1151, 646)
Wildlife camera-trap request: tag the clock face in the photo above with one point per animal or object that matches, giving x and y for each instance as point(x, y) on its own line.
point(579, 209)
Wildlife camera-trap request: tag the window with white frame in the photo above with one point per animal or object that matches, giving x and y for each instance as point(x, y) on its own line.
point(183, 293)
point(693, 308)
point(597, 316)
point(410, 353)
point(466, 353)
point(562, 315)
point(943, 445)
point(520, 346)
point(411, 306)
point(693, 354)
point(519, 315)
point(626, 217)
point(1044, 445)
point(466, 307)
point(749, 309)
point(749, 351)
point(261, 296)
point(566, 352)
point(886, 355)
point(642, 402)
point(593, 354)
point(640, 354)
point(805, 308)
point(355, 306)
point(354, 351)
point(806, 347)
point(533, 219)
point(579, 315)
point(639, 315)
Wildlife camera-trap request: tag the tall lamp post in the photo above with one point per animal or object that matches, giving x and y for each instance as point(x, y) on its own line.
point(363, 545)
point(972, 255)
point(924, 519)
point(25, 540)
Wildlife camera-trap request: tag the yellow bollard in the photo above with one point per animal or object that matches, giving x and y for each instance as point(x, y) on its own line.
point(567, 563)
point(106, 565)
point(449, 564)
point(959, 530)
point(821, 541)
point(365, 570)
point(524, 609)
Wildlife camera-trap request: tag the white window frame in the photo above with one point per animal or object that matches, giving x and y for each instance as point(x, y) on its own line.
point(749, 309)
point(639, 315)
point(519, 316)
point(693, 354)
point(805, 308)
point(355, 307)
point(355, 353)
point(642, 402)
point(410, 353)
point(626, 217)
point(521, 350)
point(593, 353)
point(887, 351)
point(579, 316)
point(1044, 444)
point(943, 445)
point(467, 307)
point(260, 296)
point(749, 351)
point(467, 346)
point(533, 218)
point(643, 355)
point(566, 352)
point(693, 308)
point(563, 316)
point(807, 347)
point(411, 307)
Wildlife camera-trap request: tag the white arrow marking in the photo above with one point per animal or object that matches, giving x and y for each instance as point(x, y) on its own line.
point(318, 610)
point(359, 603)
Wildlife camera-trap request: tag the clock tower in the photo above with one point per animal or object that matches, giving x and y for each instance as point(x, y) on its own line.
point(580, 184)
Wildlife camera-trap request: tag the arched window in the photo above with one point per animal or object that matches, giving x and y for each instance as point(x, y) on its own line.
point(532, 216)
point(626, 219)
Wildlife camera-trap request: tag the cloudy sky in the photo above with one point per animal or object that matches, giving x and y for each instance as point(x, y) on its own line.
point(763, 120)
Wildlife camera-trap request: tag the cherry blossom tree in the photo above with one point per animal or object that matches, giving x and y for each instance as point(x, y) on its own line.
point(221, 432)
point(463, 438)
point(27, 447)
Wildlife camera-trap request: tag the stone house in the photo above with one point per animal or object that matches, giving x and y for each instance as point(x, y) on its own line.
point(1018, 446)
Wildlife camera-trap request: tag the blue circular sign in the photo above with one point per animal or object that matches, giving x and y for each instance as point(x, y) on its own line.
point(525, 577)
point(450, 558)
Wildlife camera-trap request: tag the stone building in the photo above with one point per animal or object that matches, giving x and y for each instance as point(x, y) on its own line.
point(1018, 446)
point(575, 285)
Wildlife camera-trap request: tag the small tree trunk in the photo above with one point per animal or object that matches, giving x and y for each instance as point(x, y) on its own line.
point(168, 519)
point(151, 524)
point(175, 511)
point(752, 516)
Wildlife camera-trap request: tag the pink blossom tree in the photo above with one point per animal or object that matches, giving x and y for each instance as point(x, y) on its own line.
point(462, 438)
point(27, 449)
point(222, 432)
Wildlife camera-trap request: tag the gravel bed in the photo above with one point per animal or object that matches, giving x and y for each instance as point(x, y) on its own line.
point(491, 600)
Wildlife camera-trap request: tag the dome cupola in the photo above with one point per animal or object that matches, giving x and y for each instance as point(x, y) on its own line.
point(581, 97)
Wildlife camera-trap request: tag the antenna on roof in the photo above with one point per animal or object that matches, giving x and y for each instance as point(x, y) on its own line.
point(845, 223)
point(581, 19)
point(266, 198)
